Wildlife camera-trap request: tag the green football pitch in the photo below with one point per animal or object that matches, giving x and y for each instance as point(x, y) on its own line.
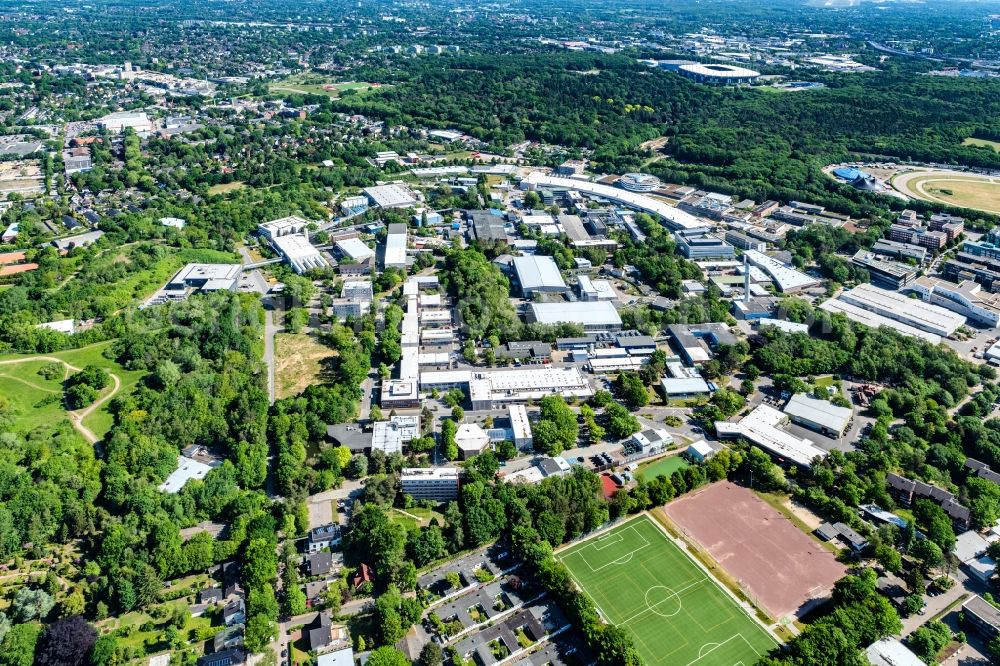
point(679, 616)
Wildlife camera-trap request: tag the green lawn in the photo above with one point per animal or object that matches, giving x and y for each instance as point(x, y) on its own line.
point(665, 466)
point(678, 616)
point(39, 401)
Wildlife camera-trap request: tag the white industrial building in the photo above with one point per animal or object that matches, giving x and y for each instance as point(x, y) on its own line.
point(674, 218)
point(187, 469)
point(761, 427)
point(471, 440)
point(538, 274)
point(593, 316)
point(787, 279)
point(909, 316)
point(289, 237)
point(819, 415)
point(487, 388)
point(194, 278)
point(392, 435)
point(121, 120)
point(300, 254)
point(354, 250)
point(890, 652)
point(520, 427)
point(357, 289)
point(395, 247)
point(391, 196)
point(285, 226)
point(967, 298)
point(718, 74)
point(596, 290)
point(439, 484)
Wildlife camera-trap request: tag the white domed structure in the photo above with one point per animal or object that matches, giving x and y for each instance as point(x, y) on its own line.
point(639, 182)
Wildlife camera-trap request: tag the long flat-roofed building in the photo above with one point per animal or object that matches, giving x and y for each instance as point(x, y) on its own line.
point(982, 615)
point(819, 415)
point(539, 274)
point(395, 247)
point(761, 427)
point(966, 298)
point(896, 307)
point(884, 272)
point(487, 388)
point(592, 316)
point(289, 237)
point(390, 196)
point(674, 218)
point(354, 250)
point(520, 426)
point(439, 484)
point(787, 279)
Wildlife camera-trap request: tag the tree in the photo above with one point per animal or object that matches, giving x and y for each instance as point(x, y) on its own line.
point(31, 604)
point(104, 650)
point(888, 557)
point(621, 423)
point(631, 390)
point(928, 553)
point(18, 648)
point(912, 604)
point(617, 648)
point(387, 656)
point(935, 523)
point(357, 466)
point(448, 446)
point(66, 642)
point(431, 654)
point(260, 564)
point(258, 632)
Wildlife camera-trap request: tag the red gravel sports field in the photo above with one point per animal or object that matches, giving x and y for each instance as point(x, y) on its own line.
point(783, 569)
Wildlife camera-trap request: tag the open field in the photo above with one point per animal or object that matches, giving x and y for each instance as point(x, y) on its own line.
point(679, 616)
point(782, 569)
point(953, 188)
point(39, 401)
point(665, 466)
point(225, 188)
point(983, 143)
point(298, 361)
point(307, 84)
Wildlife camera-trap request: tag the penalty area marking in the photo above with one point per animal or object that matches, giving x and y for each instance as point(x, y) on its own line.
point(712, 647)
point(624, 559)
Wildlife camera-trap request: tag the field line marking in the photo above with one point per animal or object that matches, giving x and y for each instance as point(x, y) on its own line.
point(624, 559)
point(676, 593)
point(715, 646)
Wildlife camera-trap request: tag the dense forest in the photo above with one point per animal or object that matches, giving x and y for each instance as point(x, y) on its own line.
point(755, 142)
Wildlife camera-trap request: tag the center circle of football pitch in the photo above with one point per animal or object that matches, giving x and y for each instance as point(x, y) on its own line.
point(663, 601)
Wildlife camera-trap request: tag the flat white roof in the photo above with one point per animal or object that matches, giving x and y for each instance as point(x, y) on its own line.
point(782, 325)
point(761, 427)
point(819, 412)
point(519, 422)
point(284, 225)
point(599, 313)
point(187, 469)
point(67, 326)
point(872, 320)
point(677, 219)
point(910, 311)
point(428, 474)
point(538, 272)
point(715, 70)
point(299, 252)
point(890, 652)
point(685, 385)
point(390, 196)
point(355, 249)
point(787, 278)
point(537, 220)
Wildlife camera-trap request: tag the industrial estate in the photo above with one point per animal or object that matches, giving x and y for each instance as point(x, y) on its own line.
point(586, 333)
